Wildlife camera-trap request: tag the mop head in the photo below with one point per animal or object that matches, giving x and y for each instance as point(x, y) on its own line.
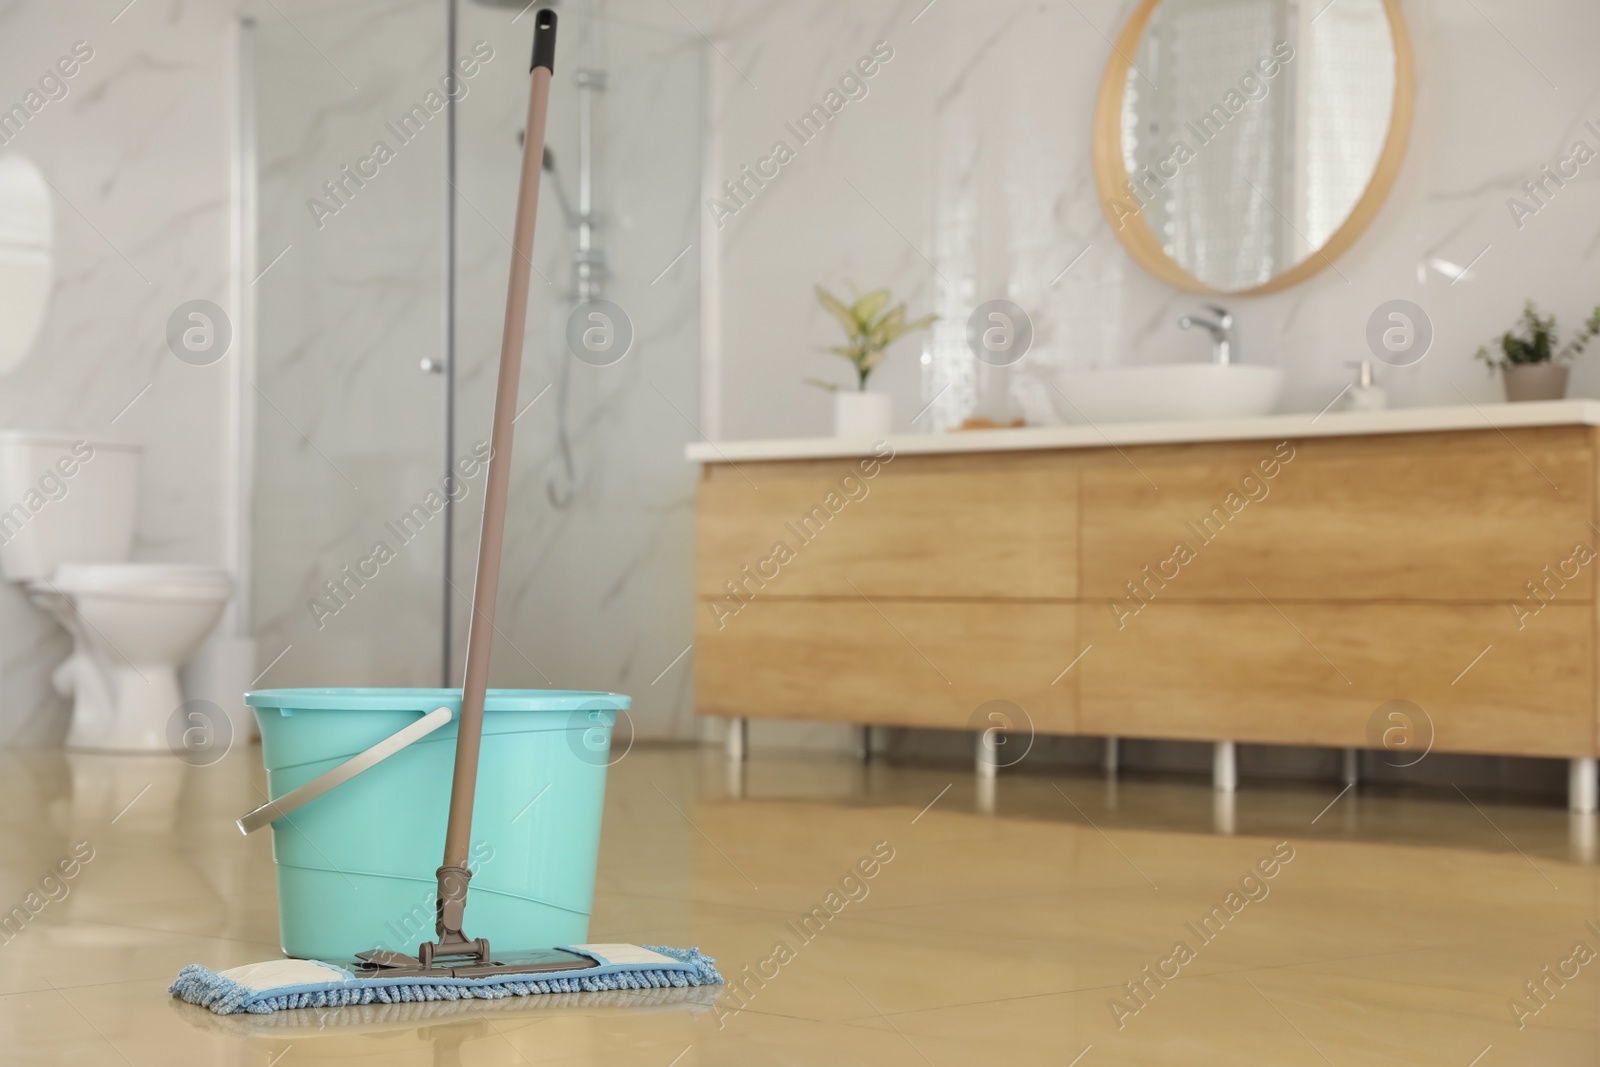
point(261, 988)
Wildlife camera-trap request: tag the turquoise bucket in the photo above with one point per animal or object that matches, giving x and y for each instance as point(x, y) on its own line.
point(356, 866)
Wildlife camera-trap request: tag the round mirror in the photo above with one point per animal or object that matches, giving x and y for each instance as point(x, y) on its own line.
point(1240, 146)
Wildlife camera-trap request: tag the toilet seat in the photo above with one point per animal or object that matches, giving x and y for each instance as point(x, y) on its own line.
point(143, 581)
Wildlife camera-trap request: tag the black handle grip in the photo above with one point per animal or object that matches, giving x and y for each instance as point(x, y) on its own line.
point(544, 40)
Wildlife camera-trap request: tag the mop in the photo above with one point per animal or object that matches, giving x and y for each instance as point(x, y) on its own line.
point(456, 967)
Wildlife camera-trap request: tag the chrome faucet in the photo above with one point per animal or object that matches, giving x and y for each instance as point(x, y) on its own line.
point(1221, 330)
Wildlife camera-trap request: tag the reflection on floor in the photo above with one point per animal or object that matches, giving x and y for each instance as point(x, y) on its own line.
point(1131, 923)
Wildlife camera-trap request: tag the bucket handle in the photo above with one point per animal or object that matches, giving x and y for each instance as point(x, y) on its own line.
point(337, 776)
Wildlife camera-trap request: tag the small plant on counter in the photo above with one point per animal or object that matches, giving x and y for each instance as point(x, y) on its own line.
point(1536, 342)
point(1529, 361)
point(868, 328)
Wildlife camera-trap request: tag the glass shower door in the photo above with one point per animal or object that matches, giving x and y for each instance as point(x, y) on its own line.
point(354, 573)
point(348, 545)
point(596, 586)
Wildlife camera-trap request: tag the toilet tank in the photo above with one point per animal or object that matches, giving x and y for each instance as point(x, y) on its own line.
point(64, 499)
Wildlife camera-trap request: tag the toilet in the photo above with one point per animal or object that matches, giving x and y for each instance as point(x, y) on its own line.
point(66, 530)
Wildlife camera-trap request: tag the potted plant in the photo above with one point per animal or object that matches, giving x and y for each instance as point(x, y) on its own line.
point(1533, 367)
point(869, 331)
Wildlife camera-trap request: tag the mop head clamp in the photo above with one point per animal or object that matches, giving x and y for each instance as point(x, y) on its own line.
point(262, 988)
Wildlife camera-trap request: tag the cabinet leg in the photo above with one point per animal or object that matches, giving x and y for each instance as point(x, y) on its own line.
point(987, 757)
point(1583, 786)
point(1111, 756)
point(1225, 767)
point(1224, 812)
point(984, 794)
point(864, 743)
point(738, 740)
point(1350, 772)
point(1581, 837)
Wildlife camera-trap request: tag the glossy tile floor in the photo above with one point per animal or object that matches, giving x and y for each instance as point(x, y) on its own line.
point(1393, 930)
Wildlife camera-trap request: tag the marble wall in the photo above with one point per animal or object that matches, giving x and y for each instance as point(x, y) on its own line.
point(964, 175)
point(138, 151)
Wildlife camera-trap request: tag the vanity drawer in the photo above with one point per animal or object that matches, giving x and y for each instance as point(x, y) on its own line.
point(1244, 672)
point(891, 662)
point(1421, 517)
point(923, 526)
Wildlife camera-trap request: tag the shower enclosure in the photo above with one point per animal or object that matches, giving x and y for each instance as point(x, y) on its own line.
point(385, 152)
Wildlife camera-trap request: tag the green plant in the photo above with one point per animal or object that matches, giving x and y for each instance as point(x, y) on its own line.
point(869, 329)
point(1536, 342)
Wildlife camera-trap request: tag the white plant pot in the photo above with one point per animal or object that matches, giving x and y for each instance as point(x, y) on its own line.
point(857, 414)
point(1536, 381)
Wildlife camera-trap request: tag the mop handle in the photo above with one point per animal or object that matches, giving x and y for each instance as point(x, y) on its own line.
point(480, 631)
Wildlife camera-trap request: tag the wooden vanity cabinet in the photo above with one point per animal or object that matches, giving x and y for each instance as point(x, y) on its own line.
point(1274, 591)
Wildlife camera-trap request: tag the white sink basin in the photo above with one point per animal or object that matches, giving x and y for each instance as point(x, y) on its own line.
point(1167, 391)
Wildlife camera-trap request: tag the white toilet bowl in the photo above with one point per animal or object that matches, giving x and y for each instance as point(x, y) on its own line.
point(133, 625)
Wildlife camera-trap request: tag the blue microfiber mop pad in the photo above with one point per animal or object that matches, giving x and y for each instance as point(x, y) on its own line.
point(261, 988)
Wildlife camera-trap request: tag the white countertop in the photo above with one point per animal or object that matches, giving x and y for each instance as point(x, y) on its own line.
point(1333, 424)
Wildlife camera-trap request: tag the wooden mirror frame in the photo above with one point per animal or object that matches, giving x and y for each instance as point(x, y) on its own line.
point(1111, 173)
